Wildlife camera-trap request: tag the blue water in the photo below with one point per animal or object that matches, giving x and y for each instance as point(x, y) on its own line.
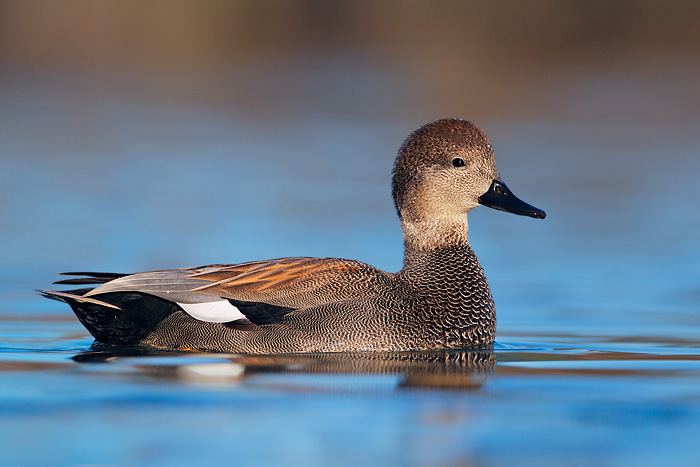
point(598, 352)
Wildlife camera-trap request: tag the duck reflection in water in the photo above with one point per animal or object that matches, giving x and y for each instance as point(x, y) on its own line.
point(459, 369)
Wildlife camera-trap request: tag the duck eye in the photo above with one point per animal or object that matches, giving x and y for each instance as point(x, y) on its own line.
point(457, 162)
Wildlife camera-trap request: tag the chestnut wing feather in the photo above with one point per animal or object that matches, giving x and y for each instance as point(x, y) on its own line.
point(292, 282)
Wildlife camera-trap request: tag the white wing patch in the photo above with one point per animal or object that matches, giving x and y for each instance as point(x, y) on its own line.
point(220, 311)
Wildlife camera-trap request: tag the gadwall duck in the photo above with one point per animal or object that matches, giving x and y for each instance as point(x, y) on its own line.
point(439, 300)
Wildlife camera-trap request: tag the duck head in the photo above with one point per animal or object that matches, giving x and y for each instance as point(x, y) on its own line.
point(443, 170)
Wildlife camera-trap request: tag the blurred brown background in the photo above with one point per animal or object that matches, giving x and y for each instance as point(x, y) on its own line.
point(473, 59)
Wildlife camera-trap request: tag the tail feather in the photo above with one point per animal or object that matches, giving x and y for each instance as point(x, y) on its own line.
point(91, 277)
point(76, 296)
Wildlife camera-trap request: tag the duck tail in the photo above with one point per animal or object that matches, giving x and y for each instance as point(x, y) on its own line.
point(115, 318)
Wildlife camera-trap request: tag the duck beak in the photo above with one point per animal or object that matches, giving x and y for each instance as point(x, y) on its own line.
point(500, 197)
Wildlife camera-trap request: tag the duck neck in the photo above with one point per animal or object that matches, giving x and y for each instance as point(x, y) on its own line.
point(439, 251)
point(421, 236)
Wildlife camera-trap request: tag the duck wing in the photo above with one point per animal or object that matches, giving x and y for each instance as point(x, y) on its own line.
point(292, 282)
